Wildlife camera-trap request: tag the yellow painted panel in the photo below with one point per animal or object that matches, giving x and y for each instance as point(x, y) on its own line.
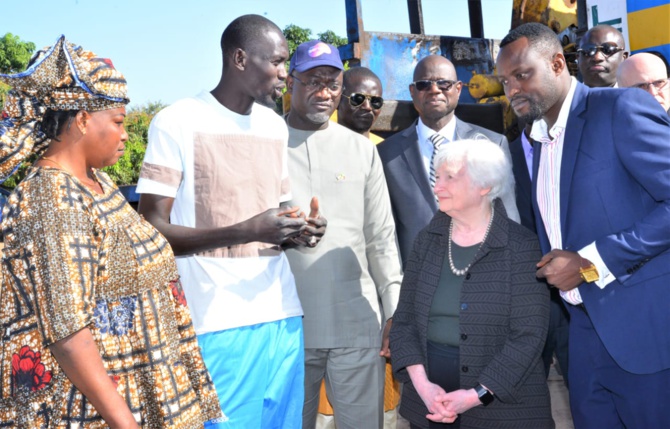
point(649, 27)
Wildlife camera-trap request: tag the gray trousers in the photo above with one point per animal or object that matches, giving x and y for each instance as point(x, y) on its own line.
point(354, 384)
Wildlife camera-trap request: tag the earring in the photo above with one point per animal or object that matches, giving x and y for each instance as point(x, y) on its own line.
point(83, 131)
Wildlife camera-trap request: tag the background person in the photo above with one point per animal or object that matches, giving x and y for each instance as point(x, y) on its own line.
point(213, 179)
point(359, 108)
point(472, 318)
point(648, 72)
point(361, 102)
point(349, 284)
point(407, 155)
point(600, 51)
point(96, 328)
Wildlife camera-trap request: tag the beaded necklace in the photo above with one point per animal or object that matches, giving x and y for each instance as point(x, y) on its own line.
point(453, 268)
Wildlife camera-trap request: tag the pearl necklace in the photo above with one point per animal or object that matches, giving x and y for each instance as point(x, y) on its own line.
point(462, 272)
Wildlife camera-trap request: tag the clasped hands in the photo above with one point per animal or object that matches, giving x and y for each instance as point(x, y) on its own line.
point(445, 407)
point(315, 225)
point(561, 269)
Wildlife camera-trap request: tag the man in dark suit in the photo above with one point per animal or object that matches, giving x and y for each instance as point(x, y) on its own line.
point(521, 150)
point(601, 196)
point(407, 155)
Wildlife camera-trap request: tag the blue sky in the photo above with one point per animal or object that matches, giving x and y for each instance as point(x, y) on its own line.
point(170, 49)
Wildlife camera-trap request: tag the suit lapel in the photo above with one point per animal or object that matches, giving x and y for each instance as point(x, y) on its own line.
point(414, 161)
point(519, 161)
point(571, 142)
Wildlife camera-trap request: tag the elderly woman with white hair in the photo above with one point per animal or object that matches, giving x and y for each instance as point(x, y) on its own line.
point(472, 317)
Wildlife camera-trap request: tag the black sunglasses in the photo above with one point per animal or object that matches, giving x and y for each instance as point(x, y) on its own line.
point(608, 49)
point(358, 98)
point(442, 84)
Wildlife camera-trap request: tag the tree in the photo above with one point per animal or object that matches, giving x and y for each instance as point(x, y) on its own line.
point(127, 170)
point(329, 36)
point(14, 57)
point(14, 53)
point(296, 35)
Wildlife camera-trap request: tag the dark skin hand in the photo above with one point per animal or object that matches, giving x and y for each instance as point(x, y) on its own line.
point(386, 351)
point(561, 269)
point(314, 230)
point(273, 226)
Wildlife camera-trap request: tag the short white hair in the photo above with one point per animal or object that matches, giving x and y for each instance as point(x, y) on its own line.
point(485, 162)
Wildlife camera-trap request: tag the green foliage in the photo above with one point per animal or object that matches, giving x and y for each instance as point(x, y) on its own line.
point(14, 53)
point(14, 57)
point(295, 36)
point(127, 170)
point(15, 178)
point(329, 36)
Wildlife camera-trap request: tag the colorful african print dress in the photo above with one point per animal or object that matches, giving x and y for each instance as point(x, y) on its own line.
point(75, 259)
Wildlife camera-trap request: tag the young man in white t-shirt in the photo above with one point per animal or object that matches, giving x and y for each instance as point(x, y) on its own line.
point(213, 180)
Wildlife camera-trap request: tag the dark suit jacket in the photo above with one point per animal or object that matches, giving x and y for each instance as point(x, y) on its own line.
point(615, 190)
point(412, 198)
point(503, 324)
point(522, 184)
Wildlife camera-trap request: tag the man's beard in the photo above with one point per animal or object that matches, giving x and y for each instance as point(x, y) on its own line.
point(318, 118)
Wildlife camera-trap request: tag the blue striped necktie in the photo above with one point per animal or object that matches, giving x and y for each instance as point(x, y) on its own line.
point(437, 140)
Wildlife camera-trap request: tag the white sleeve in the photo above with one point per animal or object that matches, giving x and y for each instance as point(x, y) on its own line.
point(163, 168)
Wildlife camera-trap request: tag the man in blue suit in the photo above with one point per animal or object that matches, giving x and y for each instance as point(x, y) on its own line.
point(601, 195)
point(407, 155)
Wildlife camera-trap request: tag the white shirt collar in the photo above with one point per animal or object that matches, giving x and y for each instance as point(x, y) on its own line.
point(448, 131)
point(539, 131)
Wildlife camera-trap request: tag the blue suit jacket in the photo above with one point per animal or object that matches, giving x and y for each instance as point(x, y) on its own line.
point(615, 190)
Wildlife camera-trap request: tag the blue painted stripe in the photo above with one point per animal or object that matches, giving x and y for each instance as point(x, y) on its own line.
point(635, 5)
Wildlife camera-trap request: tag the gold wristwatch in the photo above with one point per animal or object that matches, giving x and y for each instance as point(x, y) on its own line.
point(589, 273)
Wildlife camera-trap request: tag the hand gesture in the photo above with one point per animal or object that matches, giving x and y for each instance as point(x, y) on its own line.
point(460, 401)
point(316, 225)
point(561, 269)
point(430, 394)
point(275, 226)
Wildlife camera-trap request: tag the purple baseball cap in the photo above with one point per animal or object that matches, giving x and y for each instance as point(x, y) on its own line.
point(315, 53)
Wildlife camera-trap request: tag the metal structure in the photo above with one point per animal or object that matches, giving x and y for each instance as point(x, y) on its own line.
point(393, 57)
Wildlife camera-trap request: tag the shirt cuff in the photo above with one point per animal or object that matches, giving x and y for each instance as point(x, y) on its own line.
point(590, 252)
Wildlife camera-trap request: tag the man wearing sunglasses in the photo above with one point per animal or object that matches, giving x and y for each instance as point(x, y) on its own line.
point(601, 50)
point(349, 284)
point(407, 155)
point(361, 101)
point(647, 72)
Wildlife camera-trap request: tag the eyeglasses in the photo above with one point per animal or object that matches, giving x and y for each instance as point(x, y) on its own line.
point(333, 87)
point(608, 49)
point(357, 98)
point(657, 84)
point(442, 84)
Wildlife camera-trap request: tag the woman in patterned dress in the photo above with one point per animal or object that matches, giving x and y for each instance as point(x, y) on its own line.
point(95, 328)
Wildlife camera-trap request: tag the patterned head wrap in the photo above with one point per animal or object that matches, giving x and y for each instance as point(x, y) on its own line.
point(61, 77)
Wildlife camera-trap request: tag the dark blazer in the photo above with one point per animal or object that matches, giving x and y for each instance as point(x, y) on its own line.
point(522, 184)
point(503, 325)
point(615, 190)
point(412, 198)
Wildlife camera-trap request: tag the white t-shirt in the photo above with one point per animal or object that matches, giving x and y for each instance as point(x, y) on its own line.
point(222, 168)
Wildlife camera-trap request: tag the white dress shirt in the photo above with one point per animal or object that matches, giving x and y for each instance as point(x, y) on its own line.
point(548, 191)
point(426, 146)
